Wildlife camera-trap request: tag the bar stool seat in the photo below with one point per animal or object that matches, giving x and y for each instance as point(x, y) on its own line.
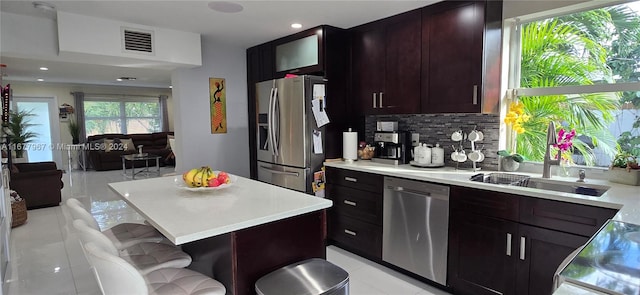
point(116, 276)
point(146, 257)
point(123, 235)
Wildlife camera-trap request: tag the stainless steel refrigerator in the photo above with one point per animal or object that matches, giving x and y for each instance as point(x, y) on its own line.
point(285, 135)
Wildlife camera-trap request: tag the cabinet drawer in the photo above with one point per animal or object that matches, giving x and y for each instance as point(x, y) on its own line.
point(363, 205)
point(361, 236)
point(355, 179)
point(577, 219)
point(483, 202)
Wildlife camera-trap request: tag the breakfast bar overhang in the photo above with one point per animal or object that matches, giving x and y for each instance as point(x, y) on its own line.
point(236, 234)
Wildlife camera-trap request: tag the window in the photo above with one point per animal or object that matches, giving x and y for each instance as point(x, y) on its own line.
point(122, 116)
point(582, 71)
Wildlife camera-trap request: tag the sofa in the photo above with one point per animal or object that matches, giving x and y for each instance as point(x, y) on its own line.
point(105, 151)
point(39, 184)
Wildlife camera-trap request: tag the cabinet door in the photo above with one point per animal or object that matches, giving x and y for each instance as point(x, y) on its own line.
point(368, 67)
point(544, 250)
point(452, 57)
point(482, 253)
point(402, 72)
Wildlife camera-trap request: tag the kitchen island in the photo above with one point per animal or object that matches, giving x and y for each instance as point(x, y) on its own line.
point(236, 234)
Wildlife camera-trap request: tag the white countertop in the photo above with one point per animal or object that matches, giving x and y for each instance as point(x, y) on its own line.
point(622, 197)
point(184, 216)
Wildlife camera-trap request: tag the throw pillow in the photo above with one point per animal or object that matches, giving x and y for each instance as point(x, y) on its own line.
point(108, 145)
point(168, 138)
point(127, 144)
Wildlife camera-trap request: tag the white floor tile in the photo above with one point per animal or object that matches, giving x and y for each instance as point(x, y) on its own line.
point(38, 284)
point(47, 242)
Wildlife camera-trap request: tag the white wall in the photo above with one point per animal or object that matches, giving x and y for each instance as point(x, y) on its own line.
point(196, 145)
point(62, 92)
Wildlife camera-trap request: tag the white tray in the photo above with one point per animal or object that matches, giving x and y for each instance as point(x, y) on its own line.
point(430, 165)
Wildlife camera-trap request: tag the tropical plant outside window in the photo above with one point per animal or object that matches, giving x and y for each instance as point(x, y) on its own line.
point(126, 117)
point(578, 70)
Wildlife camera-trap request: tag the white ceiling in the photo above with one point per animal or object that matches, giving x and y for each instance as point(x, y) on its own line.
point(258, 22)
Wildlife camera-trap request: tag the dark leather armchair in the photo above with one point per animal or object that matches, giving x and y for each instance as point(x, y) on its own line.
point(40, 184)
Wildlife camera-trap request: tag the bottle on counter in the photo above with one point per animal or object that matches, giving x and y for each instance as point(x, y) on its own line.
point(437, 155)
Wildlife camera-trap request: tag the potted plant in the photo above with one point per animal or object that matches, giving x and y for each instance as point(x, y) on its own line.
point(74, 130)
point(17, 131)
point(510, 161)
point(624, 169)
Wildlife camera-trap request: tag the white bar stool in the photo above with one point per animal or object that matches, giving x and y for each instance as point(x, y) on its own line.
point(123, 235)
point(146, 257)
point(116, 276)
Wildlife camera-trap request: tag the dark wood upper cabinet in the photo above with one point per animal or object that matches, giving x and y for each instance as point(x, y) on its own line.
point(300, 53)
point(386, 65)
point(452, 52)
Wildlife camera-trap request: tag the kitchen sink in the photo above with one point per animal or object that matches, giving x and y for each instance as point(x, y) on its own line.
point(580, 188)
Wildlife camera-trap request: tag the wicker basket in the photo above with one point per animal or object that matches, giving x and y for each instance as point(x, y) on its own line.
point(18, 213)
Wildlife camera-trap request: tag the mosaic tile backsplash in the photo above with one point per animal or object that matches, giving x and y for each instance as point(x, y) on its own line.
point(437, 128)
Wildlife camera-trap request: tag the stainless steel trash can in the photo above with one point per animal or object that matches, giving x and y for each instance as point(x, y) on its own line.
point(309, 277)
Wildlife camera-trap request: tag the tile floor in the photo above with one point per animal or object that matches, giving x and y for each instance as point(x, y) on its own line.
point(47, 257)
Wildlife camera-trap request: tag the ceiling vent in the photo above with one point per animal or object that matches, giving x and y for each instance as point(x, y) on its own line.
point(137, 41)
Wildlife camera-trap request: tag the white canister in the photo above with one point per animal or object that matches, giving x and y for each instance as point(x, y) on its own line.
point(417, 153)
point(437, 155)
point(426, 155)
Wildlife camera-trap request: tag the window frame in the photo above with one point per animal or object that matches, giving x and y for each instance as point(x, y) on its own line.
point(512, 32)
point(122, 118)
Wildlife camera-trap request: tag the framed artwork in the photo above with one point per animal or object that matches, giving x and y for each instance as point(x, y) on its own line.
point(218, 105)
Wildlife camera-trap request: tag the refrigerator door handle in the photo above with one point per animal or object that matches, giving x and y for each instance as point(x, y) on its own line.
point(276, 122)
point(296, 174)
point(269, 122)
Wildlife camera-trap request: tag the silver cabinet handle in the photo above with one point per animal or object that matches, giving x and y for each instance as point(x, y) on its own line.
point(351, 179)
point(523, 245)
point(381, 99)
point(374, 100)
point(350, 203)
point(349, 232)
point(508, 244)
point(475, 94)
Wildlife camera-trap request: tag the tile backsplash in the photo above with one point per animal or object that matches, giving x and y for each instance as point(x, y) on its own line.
point(437, 128)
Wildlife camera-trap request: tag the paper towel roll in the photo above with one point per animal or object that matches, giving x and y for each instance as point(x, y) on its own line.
point(350, 146)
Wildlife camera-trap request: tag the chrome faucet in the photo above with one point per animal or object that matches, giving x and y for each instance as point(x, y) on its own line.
point(552, 139)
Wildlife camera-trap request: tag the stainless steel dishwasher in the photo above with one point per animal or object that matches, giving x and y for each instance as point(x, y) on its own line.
point(415, 227)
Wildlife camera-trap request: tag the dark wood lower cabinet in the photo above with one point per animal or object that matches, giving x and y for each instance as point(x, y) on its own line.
point(486, 257)
point(544, 251)
point(480, 261)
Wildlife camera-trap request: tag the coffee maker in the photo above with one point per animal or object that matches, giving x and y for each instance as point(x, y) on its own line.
point(392, 147)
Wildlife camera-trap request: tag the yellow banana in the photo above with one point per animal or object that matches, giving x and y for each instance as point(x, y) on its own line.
point(199, 177)
point(188, 177)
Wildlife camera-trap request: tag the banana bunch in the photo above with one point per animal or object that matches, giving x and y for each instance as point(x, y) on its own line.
point(198, 177)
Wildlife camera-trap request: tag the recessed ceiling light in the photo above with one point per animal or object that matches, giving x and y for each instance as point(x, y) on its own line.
point(296, 25)
point(119, 79)
point(40, 80)
point(226, 7)
point(44, 68)
point(126, 79)
point(170, 86)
